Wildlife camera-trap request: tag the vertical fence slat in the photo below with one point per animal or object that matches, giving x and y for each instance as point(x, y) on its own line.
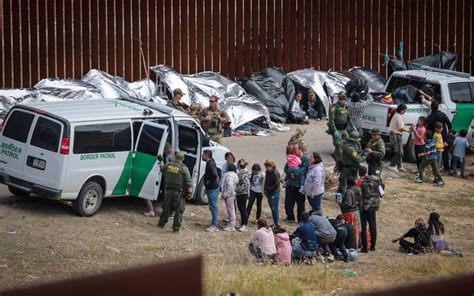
point(200, 36)
point(34, 41)
point(421, 18)
point(176, 34)
point(263, 51)
point(406, 29)
point(224, 18)
point(360, 33)
point(413, 16)
point(7, 43)
point(452, 25)
point(315, 34)
point(308, 32)
point(398, 23)
point(468, 49)
point(94, 30)
point(145, 39)
point(270, 44)
point(471, 17)
point(286, 35)
point(25, 46)
point(240, 42)
point(336, 26)
point(111, 38)
point(43, 53)
point(352, 34)
point(444, 42)
point(215, 36)
point(60, 64)
point(167, 33)
point(160, 33)
point(300, 49)
point(208, 34)
point(78, 72)
point(127, 34)
point(436, 25)
point(459, 36)
point(278, 34)
point(293, 36)
point(331, 30)
point(247, 37)
point(2, 49)
point(86, 32)
point(383, 37)
point(232, 40)
point(184, 53)
point(255, 37)
point(323, 25)
point(152, 36)
point(119, 22)
point(16, 33)
point(192, 36)
point(136, 59)
point(51, 44)
point(375, 35)
point(345, 50)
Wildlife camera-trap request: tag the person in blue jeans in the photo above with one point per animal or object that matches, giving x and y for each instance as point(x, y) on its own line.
point(460, 146)
point(314, 183)
point(212, 185)
point(306, 246)
point(271, 189)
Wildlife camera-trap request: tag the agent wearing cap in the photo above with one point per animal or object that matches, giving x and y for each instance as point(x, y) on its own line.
point(178, 187)
point(175, 101)
point(351, 158)
point(375, 150)
point(338, 122)
point(213, 120)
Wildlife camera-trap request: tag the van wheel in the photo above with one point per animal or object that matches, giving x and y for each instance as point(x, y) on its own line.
point(201, 197)
point(409, 154)
point(89, 200)
point(18, 192)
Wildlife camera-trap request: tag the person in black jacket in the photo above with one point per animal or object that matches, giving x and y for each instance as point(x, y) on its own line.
point(438, 116)
point(421, 239)
point(271, 188)
point(212, 184)
point(341, 236)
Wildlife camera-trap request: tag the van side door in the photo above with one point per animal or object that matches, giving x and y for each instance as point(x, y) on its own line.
point(190, 143)
point(44, 162)
point(14, 142)
point(146, 168)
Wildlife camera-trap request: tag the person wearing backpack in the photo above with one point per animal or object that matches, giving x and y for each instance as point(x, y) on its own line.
point(372, 191)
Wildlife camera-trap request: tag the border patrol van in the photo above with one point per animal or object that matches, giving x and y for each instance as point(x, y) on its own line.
point(456, 90)
point(82, 151)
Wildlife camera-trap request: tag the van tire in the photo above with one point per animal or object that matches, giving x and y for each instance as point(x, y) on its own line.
point(18, 192)
point(89, 200)
point(409, 154)
point(201, 197)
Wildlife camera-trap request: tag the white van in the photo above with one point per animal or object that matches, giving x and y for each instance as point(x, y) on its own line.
point(82, 151)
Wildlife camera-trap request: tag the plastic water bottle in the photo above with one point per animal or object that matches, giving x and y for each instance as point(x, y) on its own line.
point(350, 272)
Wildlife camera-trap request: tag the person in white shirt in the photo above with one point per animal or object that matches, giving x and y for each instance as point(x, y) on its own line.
point(297, 114)
point(397, 127)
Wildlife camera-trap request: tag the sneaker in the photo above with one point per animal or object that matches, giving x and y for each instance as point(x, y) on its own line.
point(330, 258)
point(419, 181)
point(243, 228)
point(440, 183)
point(229, 228)
point(212, 228)
point(402, 169)
point(392, 168)
point(149, 214)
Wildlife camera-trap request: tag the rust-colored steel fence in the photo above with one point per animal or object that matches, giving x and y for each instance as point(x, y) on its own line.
point(66, 38)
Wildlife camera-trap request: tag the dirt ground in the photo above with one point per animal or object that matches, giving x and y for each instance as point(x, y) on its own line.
point(41, 240)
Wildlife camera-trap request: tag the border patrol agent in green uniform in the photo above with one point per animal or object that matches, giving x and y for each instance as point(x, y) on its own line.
point(178, 179)
point(338, 122)
point(175, 103)
point(375, 150)
point(212, 120)
point(351, 158)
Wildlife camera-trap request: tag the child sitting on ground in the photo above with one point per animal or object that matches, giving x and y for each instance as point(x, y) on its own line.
point(293, 161)
point(429, 159)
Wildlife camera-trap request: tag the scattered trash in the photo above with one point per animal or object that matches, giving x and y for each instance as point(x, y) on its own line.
point(113, 249)
point(32, 277)
point(350, 272)
point(116, 223)
point(12, 232)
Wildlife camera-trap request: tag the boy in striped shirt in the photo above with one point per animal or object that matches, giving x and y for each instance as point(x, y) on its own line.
point(429, 159)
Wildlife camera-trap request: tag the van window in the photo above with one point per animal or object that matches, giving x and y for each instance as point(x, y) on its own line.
point(46, 134)
point(188, 139)
point(96, 138)
point(396, 82)
point(18, 126)
point(460, 92)
point(149, 141)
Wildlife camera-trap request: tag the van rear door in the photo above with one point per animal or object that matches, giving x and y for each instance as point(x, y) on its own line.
point(146, 171)
point(13, 142)
point(44, 163)
point(190, 143)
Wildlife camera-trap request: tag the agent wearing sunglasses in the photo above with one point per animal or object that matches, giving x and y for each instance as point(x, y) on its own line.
point(213, 120)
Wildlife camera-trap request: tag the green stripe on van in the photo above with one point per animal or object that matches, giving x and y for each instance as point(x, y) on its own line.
point(121, 187)
point(142, 165)
point(463, 118)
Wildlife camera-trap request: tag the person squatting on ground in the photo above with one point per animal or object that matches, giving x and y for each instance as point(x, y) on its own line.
point(375, 151)
point(294, 191)
point(229, 184)
point(397, 127)
point(422, 241)
point(429, 159)
point(460, 147)
point(243, 190)
point(212, 185)
point(256, 190)
point(272, 189)
point(314, 183)
point(338, 244)
point(325, 233)
point(262, 243)
point(283, 246)
point(351, 204)
point(338, 123)
point(419, 139)
point(304, 243)
point(372, 191)
point(213, 119)
point(178, 180)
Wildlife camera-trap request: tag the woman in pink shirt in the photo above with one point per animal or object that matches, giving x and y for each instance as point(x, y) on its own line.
point(419, 140)
point(262, 243)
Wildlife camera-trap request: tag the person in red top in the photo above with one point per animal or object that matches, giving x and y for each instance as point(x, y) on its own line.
point(419, 140)
point(362, 174)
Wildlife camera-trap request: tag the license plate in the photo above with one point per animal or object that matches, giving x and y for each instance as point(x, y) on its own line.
point(39, 164)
